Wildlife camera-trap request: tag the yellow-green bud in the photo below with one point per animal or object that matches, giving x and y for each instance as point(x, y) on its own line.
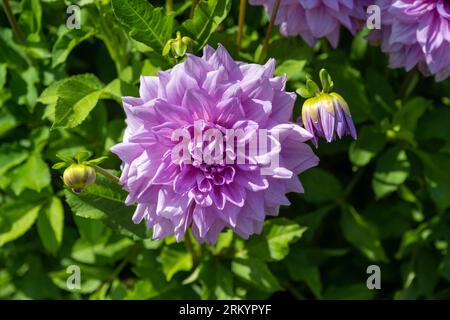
point(78, 177)
point(178, 46)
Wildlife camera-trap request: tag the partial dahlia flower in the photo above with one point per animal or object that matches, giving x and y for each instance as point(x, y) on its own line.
point(325, 114)
point(313, 19)
point(416, 32)
point(213, 92)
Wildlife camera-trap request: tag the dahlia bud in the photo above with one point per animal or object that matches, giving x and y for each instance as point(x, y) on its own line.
point(178, 46)
point(79, 176)
point(325, 114)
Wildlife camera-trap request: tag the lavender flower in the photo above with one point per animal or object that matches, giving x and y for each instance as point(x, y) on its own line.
point(319, 18)
point(325, 115)
point(416, 33)
point(211, 92)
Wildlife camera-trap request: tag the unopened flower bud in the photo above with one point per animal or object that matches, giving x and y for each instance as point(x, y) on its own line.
point(78, 177)
point(327, 116)
point(178, 46)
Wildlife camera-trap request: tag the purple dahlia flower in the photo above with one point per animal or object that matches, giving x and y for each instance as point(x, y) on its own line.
point(313, 19)
point(416, 32)
point(199, 95)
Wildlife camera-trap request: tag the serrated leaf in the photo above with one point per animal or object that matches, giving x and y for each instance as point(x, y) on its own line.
point(144, 22)
point(77, 96)
point(207, 16)
point(105, 200)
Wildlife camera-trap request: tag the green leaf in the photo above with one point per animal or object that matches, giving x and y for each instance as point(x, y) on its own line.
point(50, 225)
point(11, 53)
point(83, 155)
point(16, 219)
point(33, 174)
point(326, 81)
point(302, 269)
point(67, 40)
point(426, 268)
point(381, 91)
point(174, 259)
point(392, 170)
point(77, 96)
point(273, 243)
point(144, 22)
point(293, 69)
point(23, 87)
point(90, 230)
point(406, 118)
point(30, 19)
point(216, 280)
point(256, 273)
point(436, 167)
point(11, 155)
point(362, 234)
point(7, 120)
point(320, 186)
point(434, 125)
point(370, 142)
point(207, 16)
point(105, 200)
point(59, 165)
point(312, 87)
point(303, 92)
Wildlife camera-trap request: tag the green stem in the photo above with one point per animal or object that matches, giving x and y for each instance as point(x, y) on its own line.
point(106, 174)
point(190, 248)
point(265, 47)
point(169, 6)
point(13, 22)
point(194, 4)
point(240, 33)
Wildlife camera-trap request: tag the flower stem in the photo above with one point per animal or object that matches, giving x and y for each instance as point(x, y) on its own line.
point(169, 6)
point(265, 47)
point(13, 22)
point(105, 173)
point(194, 4)
point(190, 248)
point(242, 8)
